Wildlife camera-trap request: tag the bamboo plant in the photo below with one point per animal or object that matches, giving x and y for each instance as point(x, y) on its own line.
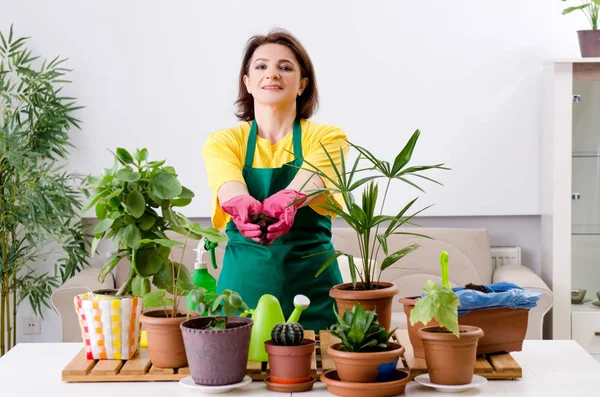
point(39, 199)
point(363, 217)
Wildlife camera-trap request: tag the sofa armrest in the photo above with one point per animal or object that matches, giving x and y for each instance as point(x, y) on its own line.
point(62, 300)
point(526, 278)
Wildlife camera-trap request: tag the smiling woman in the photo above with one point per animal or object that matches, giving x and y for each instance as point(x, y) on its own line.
point(254, 168)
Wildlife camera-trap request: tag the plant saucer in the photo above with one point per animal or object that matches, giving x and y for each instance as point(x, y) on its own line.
point(290, 387)
point(360, 389)
point(476, 382)
point(586, 300)
point(189, 382)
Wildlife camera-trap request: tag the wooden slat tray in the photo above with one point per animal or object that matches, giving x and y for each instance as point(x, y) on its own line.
point(490, 366)
point(140, 369)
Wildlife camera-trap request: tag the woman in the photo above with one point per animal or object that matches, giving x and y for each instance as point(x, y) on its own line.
point(254, 168)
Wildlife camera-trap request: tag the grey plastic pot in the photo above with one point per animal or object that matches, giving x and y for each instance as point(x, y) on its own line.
point(218, 357)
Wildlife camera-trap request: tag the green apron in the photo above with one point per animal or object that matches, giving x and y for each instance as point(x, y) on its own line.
point(280, 269)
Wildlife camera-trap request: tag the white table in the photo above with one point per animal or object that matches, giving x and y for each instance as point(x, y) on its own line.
point(550, 368)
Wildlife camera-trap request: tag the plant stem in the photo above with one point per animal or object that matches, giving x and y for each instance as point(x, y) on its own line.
point(128, 280)
point(14, 328)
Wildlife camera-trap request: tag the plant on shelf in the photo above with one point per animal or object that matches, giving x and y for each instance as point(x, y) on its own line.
point(226, 340)
point(135, 203)
point(40, 200)
point(450, 348)
point(290, 356)
point(361, 216)
point(365, 352)
point(590, 8)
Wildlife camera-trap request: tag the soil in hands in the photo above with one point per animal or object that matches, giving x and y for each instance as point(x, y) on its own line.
point(476, 287)
point(264, 221)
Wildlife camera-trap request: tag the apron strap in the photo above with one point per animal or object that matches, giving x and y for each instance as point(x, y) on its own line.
point(296, 136)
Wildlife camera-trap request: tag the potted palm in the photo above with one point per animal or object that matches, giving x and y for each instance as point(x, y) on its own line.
point(365, 286)
point(216, 346)
point(450, 348)
point(127, 199)
point(589, 40)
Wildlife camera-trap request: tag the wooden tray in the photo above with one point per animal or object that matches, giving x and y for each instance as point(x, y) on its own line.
point(490, 366)
point(140, 369)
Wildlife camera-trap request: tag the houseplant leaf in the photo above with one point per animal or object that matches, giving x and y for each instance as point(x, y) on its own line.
point(165, 186)
point(136, 204)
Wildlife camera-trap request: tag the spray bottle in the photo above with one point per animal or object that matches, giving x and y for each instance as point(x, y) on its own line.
point(201, 277)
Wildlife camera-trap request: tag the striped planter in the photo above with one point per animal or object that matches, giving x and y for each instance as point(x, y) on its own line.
point(110, 328)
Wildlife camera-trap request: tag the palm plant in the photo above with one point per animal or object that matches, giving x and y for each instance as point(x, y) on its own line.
point(39, 199)
point(363, 218)
point(590, 8)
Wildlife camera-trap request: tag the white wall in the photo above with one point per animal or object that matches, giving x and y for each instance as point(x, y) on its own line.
point(164, 75)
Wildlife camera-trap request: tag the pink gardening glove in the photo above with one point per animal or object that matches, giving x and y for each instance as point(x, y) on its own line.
point(240, 207)
point(278, 206)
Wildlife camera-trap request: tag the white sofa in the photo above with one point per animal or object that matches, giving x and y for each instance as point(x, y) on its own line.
point(470, 262)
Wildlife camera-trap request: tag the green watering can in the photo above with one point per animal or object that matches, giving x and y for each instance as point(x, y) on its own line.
point(268, 313)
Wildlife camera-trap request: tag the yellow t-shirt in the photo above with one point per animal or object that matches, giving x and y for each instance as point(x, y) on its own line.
point(224, 153)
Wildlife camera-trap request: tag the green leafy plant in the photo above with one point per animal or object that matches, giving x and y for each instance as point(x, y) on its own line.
point(439, 302)
point(214, 305)
point(362, 217)
point(39, 200)
point(127, 199)
point(590, 8)
point(359, 331)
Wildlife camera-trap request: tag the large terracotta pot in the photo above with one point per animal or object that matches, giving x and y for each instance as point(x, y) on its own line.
point(504, 329)
point(290, 364)
point(217, 357)
point(450, 360)
point(366, 367)
point(165, 342)
point(379, 300)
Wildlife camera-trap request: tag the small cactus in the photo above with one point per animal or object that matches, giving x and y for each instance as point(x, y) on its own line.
point(287, 334)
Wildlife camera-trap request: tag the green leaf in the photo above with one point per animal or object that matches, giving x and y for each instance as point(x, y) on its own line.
point(328, 262)
point(147, 221)
point(148, 262)
point(167, 243)
point(140, 286)
point(157, 299)
point(114, 259)
point(95, 243)
point(187, 193)
point(571, 9)
point(100, 211)
point(140, 155)
point(165, 186)
point(164, 277)
point(180, 202)
point(396, 256)
point(132, 236)
point(102, 226)
point(136, 204)
point(404, 156)
point(124, 156)
point(127, 175)
point(439, 303)
point(383, 241)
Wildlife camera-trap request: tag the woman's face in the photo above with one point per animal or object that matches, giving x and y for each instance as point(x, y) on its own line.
point(274, 77)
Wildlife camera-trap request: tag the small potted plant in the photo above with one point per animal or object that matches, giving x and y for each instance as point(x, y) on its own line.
point(135, 203)
point(450, 348)
point(217, 346)
point(589, 40)
point(290, 356)
point(361, 216)
point(365, 353)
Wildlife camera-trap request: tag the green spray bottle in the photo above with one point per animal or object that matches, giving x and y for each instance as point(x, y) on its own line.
point(201, 277)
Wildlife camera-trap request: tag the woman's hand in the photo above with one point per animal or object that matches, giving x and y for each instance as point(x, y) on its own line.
point(240, 207)
point(280, 206)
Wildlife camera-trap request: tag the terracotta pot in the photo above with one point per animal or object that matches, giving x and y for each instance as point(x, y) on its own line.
point(450, 360)
point(589, 43)
point(504, 328)
point(217, 357)
point(290, 364)
point(366, 367)
point(394, 387)
point(379, 300)
point(165, 342)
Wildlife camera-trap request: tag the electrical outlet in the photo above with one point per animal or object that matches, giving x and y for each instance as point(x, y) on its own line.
point(31, 325)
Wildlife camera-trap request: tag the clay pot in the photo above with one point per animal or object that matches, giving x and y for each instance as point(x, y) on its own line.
point(450, 360)
point(394, 387)
point(217, 357)
point(379, 300)
point(165, 342)
point(366, 367)
point(290, 364)
point(589, 43)
point(504, 329)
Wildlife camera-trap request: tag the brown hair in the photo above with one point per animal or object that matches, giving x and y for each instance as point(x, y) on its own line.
point(307, 103)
